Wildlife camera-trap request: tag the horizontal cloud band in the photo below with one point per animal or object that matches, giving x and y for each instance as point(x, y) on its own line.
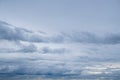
point(9, 32)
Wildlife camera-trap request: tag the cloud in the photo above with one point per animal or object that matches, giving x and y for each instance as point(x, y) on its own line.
point(55, 50)
point(87, 37)
point(31, 48)
point(23, 49)
point(112, 39)
point(25, 67)
point(28, 49)
point(62, 54)
point(9, 32)
point(55, 69)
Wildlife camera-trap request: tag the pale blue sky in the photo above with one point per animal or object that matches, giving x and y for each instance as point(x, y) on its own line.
point(99, 16)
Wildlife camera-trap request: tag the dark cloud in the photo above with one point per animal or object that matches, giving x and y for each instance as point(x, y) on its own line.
point(58, 70)
point(26, 68)
point(112, 39)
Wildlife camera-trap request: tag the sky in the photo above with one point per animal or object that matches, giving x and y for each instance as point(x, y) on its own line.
point(60, 38)
point(59, 15)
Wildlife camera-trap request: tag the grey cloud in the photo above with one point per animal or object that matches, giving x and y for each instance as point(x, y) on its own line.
point(7, 50)
point(55, 50)
point(32, 48)
point(28, 49)
point(80, 37)
point(24, 49)
point(112, 39)
point(58, 70)
point(56, 64)
point(27, 68)
point(86, 37)
point(10, 32)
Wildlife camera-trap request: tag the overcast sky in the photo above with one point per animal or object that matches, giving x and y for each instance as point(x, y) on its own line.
point(67, 38)
point(99, 16)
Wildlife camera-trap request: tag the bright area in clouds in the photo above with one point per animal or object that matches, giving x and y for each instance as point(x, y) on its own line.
point(63, 38)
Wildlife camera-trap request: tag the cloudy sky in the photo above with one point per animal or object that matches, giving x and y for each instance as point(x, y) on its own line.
point(60, 37)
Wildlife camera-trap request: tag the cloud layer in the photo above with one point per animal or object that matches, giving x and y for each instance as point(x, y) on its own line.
point(9, 32)
point(77, 54)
